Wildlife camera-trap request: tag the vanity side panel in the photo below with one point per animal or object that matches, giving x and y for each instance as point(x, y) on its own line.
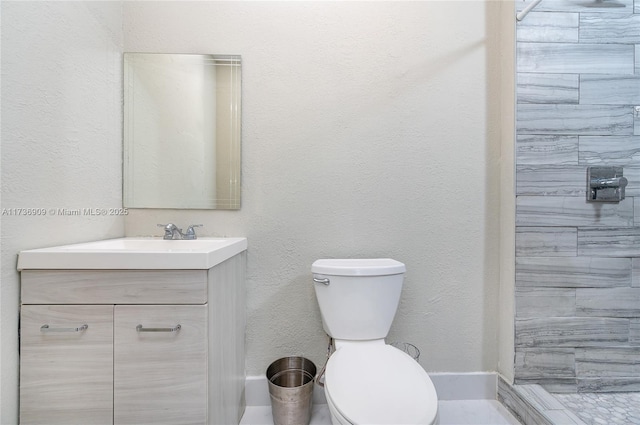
point(114, 286)
point(66, 377)
point(226, 340)
point(240, 330)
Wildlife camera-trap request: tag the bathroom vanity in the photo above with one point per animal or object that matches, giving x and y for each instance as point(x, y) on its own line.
point(133, 331)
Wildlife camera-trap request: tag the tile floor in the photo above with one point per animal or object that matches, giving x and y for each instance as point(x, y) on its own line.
point(451, 412)
point(603, 408)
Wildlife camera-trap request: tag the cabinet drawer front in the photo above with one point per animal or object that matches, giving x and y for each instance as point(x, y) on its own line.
point(114, 286)
point(160, 373)
point(66, 371)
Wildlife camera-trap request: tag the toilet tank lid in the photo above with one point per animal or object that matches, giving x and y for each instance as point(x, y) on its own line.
point(358, 267)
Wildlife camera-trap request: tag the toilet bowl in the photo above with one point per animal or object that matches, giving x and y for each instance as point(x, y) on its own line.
point(376, 383)
point(367, 381)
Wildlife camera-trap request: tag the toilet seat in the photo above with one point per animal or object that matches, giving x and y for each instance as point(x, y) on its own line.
point(379, 384)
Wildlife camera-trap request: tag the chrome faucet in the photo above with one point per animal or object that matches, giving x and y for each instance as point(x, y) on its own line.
point(605, 184)
point(190, 234)
point(172, 232)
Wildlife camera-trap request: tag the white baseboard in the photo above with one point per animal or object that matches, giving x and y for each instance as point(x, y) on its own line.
point(466, 386)
point(449, 386)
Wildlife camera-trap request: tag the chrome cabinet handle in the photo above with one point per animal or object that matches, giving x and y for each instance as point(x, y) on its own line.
point(141, 328)
point(324, 281)
point(46, 328)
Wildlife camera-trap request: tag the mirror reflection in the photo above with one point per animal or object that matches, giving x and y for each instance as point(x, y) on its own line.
point(182, 131)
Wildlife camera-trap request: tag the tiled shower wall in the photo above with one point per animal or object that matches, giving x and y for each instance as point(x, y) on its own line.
point(577, 262)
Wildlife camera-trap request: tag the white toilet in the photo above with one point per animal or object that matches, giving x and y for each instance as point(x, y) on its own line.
point(367, 381)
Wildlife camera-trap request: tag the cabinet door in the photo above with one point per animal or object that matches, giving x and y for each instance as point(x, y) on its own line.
point(66, 369)
point(160, 371)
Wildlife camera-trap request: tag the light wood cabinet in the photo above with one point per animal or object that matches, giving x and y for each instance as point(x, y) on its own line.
point(160, 377)
point(120, 359)
point(65, 369)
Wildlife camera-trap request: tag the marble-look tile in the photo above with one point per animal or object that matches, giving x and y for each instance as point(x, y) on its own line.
point(609, 28)
point(560, 385)
point(547, 88)
point(552, 180)
point(572, 272)
point(605, 385)
point(542, 179)
point(572, 211)
point(604, 408)
point(533, 149)
point(549, 302)
point(608, 302)
point(519, 406)
point(634, 331)
point(538, 363)
point(564, 417)
point(603, 89)
point(546, 242)
point(612, 242)
point(550, 381)
point(636, 7)
point(575, 58)
point(608, 362)
point(609, 150)
point(538, 398)
point(555, 27)
point(626, 6)
point(588, 120)
point(635, 272)
point(571, 332)
point(536, 406)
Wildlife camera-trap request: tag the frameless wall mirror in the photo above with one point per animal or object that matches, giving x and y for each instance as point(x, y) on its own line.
point(181, 131)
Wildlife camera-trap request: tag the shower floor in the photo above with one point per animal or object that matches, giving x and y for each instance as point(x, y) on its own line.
point(603, 408)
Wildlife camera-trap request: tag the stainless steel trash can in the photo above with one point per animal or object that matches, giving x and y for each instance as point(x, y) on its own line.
point(291, 381)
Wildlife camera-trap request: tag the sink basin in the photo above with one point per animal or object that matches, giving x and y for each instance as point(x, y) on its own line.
point(134, 253)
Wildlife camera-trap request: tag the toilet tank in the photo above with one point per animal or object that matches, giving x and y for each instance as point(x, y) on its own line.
point(358, 298)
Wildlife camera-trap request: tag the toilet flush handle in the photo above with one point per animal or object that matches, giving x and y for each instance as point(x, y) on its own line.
point(324, 281)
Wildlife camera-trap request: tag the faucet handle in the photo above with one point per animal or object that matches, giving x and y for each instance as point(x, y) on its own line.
point(169, 228)
point(168, 225)
point(191, 231)
point(606, 184)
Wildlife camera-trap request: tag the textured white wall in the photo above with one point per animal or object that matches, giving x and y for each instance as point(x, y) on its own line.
point(61, 140)
point(369, 129)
